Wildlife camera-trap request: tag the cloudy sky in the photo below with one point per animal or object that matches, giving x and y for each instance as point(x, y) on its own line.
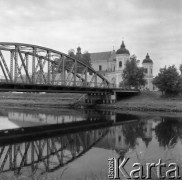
point(153, 26)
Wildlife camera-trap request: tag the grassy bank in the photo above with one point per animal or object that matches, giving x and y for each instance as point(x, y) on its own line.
point(37, 99)
point(146, 101)
point(149, 101)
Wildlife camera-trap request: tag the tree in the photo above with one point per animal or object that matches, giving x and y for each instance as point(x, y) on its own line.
point(86, 58)
point(180, 68)
point(133, 76)
point(168, 80)
point(168, 131)
point(71, 53)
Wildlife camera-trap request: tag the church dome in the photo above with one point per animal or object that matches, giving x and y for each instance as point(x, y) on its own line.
point(122, 49)
point(147, 59)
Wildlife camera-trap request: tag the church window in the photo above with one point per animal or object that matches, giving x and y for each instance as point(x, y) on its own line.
point(119, 138)
point(145, 70)
point(120, 63)
point(100, 68)
point(151, 71)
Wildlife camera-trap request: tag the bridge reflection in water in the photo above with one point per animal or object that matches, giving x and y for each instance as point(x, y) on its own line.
point(47, 154)
point(46, 142)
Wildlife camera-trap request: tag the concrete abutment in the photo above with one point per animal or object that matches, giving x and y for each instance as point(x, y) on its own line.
point(100, 98)
point(108, 97)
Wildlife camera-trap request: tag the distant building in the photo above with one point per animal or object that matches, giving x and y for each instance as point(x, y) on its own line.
point(148, 65)
point(112, 63)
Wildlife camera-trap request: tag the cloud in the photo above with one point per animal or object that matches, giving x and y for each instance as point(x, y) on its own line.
point(147, 26)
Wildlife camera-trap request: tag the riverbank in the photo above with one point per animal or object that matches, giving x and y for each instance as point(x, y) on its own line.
point(148, 101)
point(8, 99)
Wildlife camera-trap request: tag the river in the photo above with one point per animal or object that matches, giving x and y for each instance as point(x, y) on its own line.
point(54, 144)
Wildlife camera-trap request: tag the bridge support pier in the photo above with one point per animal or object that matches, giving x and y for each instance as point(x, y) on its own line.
point(100, 98)
point(108, 97)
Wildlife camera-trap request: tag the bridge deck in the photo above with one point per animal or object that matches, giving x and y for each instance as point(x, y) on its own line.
point(22, 87)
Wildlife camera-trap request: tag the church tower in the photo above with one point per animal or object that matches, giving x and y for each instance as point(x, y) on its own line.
point(78, 53)
point(122, 55)
point(148, 65)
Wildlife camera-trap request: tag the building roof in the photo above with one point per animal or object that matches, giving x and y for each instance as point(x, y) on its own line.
point(147, 59)
point(101, 56)
point(122, 49)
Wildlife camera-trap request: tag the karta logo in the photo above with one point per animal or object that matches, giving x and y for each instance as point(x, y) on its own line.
point(142, 171)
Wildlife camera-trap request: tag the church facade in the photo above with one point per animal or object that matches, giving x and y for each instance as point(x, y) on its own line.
point(112, 63)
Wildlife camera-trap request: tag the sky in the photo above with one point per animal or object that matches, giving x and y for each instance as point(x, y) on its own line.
point(146, 26)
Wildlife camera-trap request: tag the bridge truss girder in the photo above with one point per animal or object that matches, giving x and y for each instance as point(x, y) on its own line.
point(30, 64)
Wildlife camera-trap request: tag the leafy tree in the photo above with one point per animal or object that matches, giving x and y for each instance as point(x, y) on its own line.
point(180, 68)
point(168, 80)
point(133, 76)
point(168, 131)
point(71, 52)
point(180, 79)
point(86, 58)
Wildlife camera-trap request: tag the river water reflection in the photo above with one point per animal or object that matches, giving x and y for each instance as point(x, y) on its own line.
point(82, 150)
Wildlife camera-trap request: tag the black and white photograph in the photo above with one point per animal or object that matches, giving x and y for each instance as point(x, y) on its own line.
point(90, 89)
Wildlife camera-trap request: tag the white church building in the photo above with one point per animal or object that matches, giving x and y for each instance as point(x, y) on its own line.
point(112, 63)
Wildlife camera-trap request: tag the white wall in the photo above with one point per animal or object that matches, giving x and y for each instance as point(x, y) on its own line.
point(149, 75)
point(96, 64)
point(121, 58)
point(149, 68)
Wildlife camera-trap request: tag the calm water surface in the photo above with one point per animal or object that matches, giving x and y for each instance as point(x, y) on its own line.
point(82, 152)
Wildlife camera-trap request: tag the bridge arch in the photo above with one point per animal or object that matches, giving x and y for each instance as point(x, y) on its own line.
point(32, 64)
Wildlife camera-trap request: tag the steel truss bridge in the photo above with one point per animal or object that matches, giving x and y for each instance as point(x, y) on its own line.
point(47, 154)
point(26, 67)
point(29, 67)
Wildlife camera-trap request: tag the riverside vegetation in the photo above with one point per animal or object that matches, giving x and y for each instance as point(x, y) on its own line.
point(150, 101)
